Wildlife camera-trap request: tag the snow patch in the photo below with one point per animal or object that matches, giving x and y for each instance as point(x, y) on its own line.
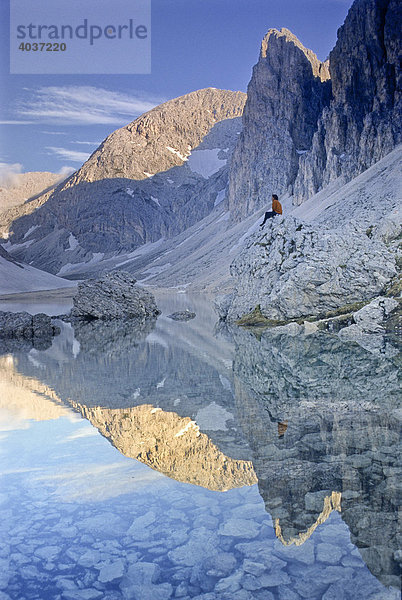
point(30, 230)
point(161, 384)
point(177, 153)
point(213, 417)
point(206, 162)
point(72, 242)
point(190, 425)
point(76, 348)
point(225, 383)
point(225, 217)
point(220, 197)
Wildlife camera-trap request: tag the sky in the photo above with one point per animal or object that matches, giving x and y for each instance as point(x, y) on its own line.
point(54, 122)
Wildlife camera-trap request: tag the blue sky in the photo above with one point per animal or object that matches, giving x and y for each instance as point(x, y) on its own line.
point(49, 122)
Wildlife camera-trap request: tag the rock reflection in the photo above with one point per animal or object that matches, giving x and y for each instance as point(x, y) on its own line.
point(340, 447)
point(170, 444)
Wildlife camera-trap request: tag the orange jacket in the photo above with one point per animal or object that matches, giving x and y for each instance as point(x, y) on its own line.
point(277, 206)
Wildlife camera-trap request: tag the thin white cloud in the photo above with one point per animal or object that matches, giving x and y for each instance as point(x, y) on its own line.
point(9, 174)
point(73, 155)
point(54, 132)
point(10, 122)
point(86, 143)
point(82, 105)
point(66, 171)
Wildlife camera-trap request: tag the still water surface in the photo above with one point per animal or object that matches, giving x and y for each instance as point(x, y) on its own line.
point(187, 461)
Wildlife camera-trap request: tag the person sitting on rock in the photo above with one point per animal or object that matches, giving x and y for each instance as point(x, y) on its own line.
point(276, 210)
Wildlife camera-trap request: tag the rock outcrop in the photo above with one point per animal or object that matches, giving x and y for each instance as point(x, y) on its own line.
point(293, 270)
point(301, 130)
point(152, 179)
point(113, 296)
point(286, 95)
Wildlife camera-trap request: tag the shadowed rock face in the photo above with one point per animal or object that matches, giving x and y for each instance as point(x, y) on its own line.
point(325, 435)
point(149, 180)
point(302, 131)
point(363, 122)
point(170, 444)
point(287, 92)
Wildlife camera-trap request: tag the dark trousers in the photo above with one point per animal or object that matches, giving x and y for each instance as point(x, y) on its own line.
point(268, 215)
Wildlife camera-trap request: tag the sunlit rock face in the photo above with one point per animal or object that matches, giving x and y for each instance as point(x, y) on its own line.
point(170, 444)
point(322, 418)
point(149, 180)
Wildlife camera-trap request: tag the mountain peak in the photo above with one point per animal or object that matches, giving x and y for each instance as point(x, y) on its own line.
point(273, 42)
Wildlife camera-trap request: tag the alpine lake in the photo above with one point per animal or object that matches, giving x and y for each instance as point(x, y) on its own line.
point(198, 461)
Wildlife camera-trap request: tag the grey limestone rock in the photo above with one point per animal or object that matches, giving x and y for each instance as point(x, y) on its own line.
point(302, 130)
point(363, 122)
point(294, 269)
point(287, 92)
point(113, 296)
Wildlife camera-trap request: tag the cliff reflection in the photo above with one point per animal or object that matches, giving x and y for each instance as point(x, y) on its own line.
point(340, 449)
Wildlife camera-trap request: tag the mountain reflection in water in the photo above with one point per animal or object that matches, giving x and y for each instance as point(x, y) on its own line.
point(317, 417)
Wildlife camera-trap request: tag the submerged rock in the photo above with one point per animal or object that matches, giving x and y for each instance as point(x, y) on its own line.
point(182, 315)
point(113, 296)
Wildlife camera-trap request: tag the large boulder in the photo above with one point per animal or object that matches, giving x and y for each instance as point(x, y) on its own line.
point(113, 296)
point(294, 269)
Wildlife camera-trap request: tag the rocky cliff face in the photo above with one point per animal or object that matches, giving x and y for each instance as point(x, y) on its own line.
point(363, 122)
point(151, 179)
point(162, 138)
point(302, 131)
point(287, 92)
point(19, 193)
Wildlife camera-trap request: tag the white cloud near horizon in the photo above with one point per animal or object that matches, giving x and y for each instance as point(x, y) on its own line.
point(82, 105)
point(67, 154)
point(9, 174)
